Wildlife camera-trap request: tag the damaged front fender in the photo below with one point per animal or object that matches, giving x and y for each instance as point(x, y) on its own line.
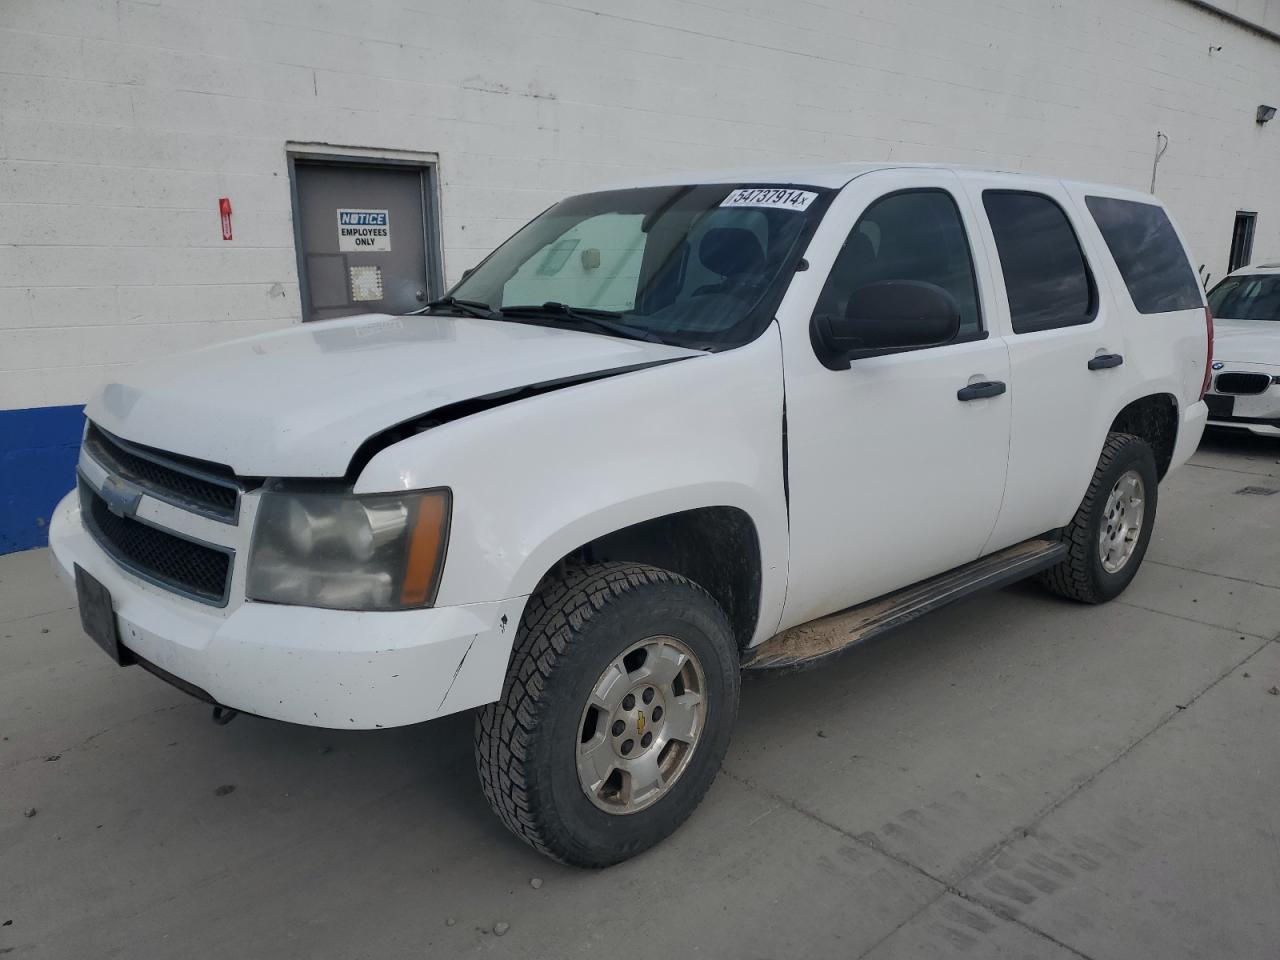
point(473, 405)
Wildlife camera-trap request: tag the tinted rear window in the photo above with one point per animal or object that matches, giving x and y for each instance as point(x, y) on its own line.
point(1148, 253)
point(1045, 272)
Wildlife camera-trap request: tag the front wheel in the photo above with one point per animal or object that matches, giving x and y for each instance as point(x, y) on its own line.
point(1108, 536)
point(615, 713)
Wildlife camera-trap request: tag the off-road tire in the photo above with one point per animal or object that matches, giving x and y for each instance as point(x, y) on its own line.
point(526, 743)
point(1081, 575)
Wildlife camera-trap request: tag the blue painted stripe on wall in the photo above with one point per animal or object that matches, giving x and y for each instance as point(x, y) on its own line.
point(38, 452)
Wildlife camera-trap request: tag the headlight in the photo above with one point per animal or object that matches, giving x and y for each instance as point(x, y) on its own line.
point(381, 551)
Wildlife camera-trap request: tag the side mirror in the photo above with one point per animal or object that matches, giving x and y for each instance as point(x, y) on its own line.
point(886, 317)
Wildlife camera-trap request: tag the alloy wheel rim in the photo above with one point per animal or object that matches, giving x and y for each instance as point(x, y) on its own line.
point(1121, 525)
point(641, 725)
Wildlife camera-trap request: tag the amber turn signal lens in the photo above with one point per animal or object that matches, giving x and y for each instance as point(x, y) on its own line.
point(425, 557)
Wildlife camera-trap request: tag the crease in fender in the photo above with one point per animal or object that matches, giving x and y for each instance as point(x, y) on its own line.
point(457, 670)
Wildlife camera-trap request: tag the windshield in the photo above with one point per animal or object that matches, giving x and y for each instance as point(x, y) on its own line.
point(1255, 297)
point(700, 266)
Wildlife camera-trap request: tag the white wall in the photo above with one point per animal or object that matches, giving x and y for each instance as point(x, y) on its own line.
point(122, 122)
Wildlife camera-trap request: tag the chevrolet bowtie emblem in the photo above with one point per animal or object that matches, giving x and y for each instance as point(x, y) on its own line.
point(640, 723)
point(120, 496)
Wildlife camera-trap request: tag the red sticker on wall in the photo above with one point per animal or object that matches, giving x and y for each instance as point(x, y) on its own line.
point(224, 208)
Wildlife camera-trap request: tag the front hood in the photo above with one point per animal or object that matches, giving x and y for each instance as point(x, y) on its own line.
point(299, 402)
point(1246, 341)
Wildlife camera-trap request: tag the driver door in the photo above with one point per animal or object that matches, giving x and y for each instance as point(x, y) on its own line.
point(896, 472)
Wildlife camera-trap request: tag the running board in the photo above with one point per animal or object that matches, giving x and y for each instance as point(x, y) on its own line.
point(812, 643)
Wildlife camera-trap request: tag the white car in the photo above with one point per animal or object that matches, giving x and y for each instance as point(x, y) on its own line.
point(1246, 369)
point(663, 434)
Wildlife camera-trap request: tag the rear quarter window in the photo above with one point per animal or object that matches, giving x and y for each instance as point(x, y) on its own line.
point(1145, 247)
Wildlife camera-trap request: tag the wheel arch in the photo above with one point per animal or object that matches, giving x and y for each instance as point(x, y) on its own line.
point(1154, 419)
point(717, 547)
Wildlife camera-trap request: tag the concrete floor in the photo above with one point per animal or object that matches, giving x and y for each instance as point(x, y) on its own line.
point(1015, 776)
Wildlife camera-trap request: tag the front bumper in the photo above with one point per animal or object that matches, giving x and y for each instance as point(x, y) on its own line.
point(1259, 413)
point(326, 668)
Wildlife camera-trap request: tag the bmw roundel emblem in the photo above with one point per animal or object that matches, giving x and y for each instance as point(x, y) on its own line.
point(1218, 364)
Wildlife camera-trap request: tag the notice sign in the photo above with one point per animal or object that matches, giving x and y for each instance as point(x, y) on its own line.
point(367, 230)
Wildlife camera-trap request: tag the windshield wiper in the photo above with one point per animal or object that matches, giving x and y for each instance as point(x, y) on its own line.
point(603, 320)
point(470, 308)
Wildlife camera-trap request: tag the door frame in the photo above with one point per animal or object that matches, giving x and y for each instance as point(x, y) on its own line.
point(1250, 219)
point(428, 167)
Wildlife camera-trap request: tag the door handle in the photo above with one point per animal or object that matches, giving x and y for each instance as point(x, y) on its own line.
point(1105, 361)
point(981, 390)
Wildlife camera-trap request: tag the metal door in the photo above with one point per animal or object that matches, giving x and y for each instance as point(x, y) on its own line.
point(895, 475)
point(1062, 406)
point(364, 236)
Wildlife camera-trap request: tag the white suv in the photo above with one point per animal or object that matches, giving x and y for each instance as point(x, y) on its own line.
point(663, 434)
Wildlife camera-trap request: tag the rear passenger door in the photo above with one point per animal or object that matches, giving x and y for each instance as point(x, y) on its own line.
point(1056, 321)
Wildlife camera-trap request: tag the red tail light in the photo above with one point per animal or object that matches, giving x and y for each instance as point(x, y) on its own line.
point(1208, 357)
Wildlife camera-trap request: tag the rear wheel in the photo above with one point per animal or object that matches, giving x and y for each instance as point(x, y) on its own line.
point(615, 714)
point(1108, 536)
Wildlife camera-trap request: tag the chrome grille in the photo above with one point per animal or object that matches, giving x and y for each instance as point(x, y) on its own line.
point(198, 570)
point(202, 488)
point(1242, 384)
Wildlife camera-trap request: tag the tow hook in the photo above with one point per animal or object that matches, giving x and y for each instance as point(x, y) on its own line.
point(224, 715)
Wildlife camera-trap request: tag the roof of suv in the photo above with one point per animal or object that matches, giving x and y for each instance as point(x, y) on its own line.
point(836, 175)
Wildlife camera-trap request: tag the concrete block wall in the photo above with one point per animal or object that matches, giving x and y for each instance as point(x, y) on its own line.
point(122, 123)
